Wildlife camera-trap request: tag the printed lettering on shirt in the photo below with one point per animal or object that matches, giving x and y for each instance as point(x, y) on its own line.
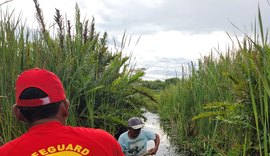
point(61, 150)
point(136, 147)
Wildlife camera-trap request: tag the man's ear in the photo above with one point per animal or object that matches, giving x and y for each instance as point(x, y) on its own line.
point(63, 111)
point(17, 113)
point(66, 102)
point(66, 106)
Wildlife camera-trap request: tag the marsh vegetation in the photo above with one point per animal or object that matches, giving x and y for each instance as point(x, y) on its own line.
point(102, 85)
point(221, 107)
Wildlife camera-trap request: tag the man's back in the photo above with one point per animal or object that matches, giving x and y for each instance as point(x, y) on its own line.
point(54, 139)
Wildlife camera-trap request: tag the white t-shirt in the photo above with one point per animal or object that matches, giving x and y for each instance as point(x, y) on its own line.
point(136, 146)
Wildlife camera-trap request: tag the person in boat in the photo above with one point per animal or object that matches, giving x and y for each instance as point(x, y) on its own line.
point(134, 141)
point(42, 105)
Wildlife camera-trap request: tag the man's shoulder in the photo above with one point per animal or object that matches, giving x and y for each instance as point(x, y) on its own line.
point(84, 130)
point(143, 130)
point(148, 134)
point(92, 132)
point(9, 146)
point(123, 137)
point(69, 137)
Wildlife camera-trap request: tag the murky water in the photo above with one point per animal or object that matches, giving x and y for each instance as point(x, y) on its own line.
point(165, 147)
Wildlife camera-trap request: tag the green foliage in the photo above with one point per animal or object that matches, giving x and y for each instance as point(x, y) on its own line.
point(156, 85)
point(172, 81)
point(228, 99)
point(103, 88)
point(231, 113)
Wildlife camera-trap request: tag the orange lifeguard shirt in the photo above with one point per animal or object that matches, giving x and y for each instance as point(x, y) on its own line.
point(55, 139)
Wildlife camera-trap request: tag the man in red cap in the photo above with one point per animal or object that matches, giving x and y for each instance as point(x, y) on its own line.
point(41, 103)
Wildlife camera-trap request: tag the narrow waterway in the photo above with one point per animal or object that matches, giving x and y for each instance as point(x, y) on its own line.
point(165, 148)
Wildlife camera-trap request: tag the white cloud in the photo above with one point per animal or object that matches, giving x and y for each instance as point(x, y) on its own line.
point(173, 44)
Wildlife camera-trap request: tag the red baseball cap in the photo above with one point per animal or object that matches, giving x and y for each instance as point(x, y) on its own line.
point(43, 79)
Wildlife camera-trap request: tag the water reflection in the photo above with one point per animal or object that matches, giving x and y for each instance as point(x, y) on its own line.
point(165, 147)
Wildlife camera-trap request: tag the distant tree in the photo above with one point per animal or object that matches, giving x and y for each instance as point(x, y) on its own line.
point(174, 80)
point(154, 84)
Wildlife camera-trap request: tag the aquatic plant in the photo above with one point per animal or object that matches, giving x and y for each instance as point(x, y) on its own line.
point(223, 106)
point(103, 86)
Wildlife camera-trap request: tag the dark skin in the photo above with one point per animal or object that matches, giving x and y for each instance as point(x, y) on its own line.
point(134, 133)
point(61, 115)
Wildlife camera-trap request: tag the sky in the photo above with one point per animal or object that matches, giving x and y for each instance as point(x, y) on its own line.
point(171, 33)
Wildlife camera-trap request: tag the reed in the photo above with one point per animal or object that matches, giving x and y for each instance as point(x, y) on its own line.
point(223, 106)
point(103, 87)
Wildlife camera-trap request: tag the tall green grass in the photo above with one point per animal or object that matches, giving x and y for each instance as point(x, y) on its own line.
point(102, 86)
point(223, 106)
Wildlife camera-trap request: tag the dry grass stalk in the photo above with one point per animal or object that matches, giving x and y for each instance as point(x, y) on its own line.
point(40, 17)
point(59, 21)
